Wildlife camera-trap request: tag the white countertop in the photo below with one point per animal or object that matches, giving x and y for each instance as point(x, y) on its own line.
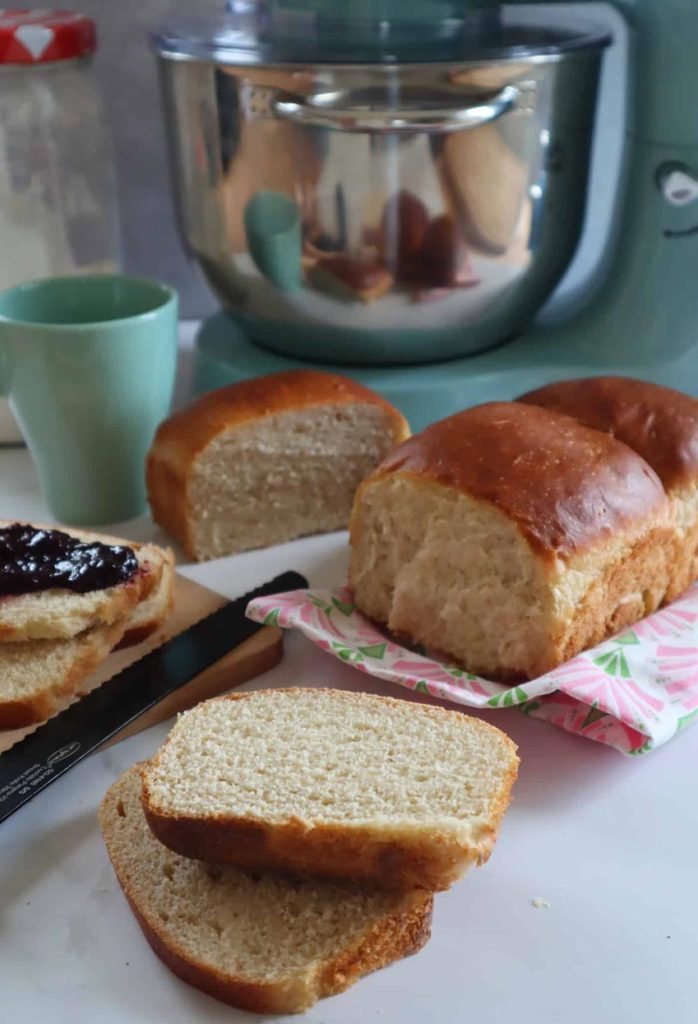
point(611, 843)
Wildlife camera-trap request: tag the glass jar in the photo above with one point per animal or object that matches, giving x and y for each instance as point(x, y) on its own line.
point(57, 193)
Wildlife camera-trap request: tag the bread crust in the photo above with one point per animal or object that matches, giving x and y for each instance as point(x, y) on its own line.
point(390, 939)
point(401, 859)
point(658, 423)
point(565, 486)
point(152, 611)
point(623, 594)
point(686, 563)
point(182, 437)
point(433, 863)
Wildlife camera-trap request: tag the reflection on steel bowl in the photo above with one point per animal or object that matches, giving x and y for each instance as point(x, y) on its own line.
point(374, 213)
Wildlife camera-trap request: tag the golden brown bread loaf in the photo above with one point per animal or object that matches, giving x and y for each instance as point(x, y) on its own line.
point(266, 460)
point(661, 425)
point(511, 538)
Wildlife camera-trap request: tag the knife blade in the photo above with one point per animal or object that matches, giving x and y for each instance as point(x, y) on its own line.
point(59, 744)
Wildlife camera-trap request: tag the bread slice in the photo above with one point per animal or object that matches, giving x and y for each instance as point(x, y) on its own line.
point(658, 423)
point(59, 614)
point(256, 941)
point(266, 460)
point(511, 538)
point(36, 675)
point(333, 784)
point(150, 613)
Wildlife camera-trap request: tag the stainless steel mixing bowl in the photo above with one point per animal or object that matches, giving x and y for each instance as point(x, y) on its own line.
point(382, 213)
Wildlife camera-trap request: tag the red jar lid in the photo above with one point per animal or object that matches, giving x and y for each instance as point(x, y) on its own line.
point(40, 36)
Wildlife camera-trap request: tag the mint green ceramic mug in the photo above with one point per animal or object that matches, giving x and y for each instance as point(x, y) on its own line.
point(89, 365)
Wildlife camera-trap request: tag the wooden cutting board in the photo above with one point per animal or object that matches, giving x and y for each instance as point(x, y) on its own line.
point(192, 602)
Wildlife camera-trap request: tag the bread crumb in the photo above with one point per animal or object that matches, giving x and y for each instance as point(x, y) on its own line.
point(540, 904)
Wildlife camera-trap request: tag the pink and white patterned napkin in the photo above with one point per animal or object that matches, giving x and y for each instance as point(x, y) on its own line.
point(633, 692)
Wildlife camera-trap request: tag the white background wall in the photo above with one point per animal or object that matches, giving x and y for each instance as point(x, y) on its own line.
point(127, 75)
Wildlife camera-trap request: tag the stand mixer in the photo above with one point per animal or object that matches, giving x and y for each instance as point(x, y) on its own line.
point(392, 189)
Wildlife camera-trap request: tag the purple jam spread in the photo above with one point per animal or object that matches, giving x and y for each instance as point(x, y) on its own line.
point(32, 560)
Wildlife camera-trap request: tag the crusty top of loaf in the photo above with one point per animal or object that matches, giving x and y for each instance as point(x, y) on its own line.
point(657, 422)
point(566, 487)
point(186, 433)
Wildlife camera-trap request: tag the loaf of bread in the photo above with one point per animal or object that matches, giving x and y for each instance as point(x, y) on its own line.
point(267, 460)
point(511, 538)
point(661, 425)
point(256, 941)
point(332, 784)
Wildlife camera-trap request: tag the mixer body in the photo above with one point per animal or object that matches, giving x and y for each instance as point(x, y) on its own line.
point(316, 192)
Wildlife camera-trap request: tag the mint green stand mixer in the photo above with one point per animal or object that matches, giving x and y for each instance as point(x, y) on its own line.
point(496, 97)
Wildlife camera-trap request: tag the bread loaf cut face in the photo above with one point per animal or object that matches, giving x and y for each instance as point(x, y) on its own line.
point(292, 475)
point(510, 538)
point(658, 423)
point(257, 941)
point(332, 784)
point(267, 460)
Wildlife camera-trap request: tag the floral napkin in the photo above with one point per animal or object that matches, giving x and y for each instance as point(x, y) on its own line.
point(633, 692)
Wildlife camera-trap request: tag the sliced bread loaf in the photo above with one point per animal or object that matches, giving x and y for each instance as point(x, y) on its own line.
point(511, 538)
point(267, 460)
point(60, 613)
point(334, 784)
point(35, 675)
point(256, 941)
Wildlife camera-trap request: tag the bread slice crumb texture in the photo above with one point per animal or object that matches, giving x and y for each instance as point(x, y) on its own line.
point(36, 675)
point(260, 941)
point(62, 614)
point(326, 757)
